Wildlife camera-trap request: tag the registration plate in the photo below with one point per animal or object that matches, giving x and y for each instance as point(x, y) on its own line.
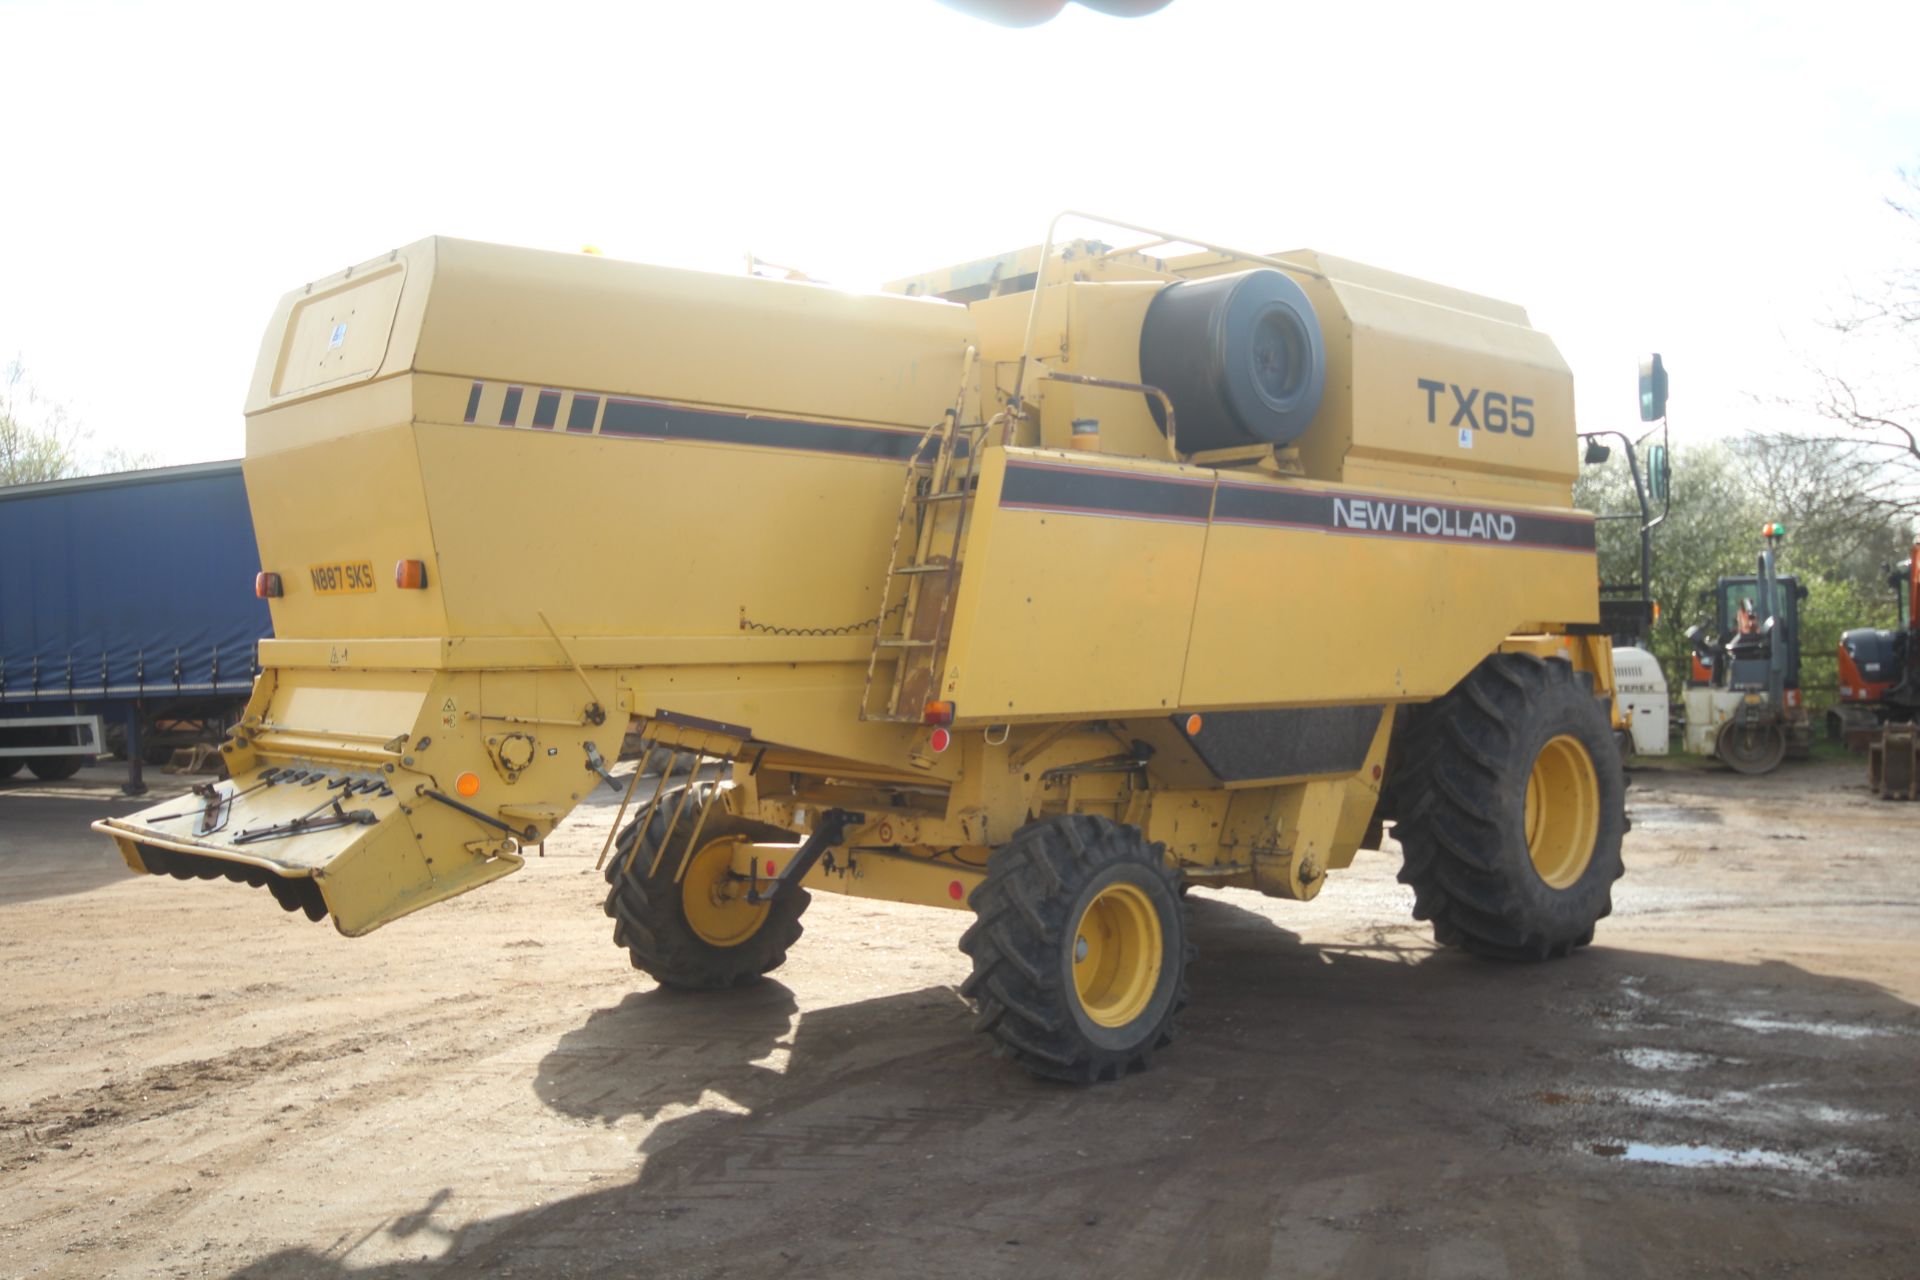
point(344, 578)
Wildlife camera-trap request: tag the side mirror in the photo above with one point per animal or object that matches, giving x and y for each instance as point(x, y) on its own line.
point(1653, 389)
point(1659, 473)
point(1597, 453)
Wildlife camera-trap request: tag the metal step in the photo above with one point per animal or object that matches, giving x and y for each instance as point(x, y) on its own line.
point(925, 568)
point(904, 644)
point(941, 497)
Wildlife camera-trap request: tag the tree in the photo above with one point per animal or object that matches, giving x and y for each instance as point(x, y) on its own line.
point(1867, 387)
point(1838, 542)
point(39, 439)
point(30, 451)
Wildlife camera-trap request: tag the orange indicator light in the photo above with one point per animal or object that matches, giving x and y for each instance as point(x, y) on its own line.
point(467, 784)
point(1193, 725)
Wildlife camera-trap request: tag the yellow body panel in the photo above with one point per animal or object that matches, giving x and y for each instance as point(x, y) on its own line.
point(691, 509)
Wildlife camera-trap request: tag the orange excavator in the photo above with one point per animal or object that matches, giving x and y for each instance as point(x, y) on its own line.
point(1880, 690)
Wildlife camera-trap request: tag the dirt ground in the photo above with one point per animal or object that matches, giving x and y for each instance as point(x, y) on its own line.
point(195, 1083)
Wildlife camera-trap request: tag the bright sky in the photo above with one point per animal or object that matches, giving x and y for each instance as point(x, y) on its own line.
point(1698, 178)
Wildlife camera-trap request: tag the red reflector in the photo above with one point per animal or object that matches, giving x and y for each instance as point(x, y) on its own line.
point(410, 575)
point(954, 890)
point(267, 586)
point(770, 867)
point(938, 713)
point(940, 740)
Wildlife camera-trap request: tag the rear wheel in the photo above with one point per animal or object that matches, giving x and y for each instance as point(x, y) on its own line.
point(1751, 748)
point(698, 933)
point(1512, 810)
point(1079, 948)
point(55, 768)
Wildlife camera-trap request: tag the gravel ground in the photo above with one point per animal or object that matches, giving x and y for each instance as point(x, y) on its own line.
point(194, 1083)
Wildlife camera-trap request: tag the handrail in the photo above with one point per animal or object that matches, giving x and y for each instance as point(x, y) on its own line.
point(1114, 384)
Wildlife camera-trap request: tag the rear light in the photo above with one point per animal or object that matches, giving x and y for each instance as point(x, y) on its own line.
point(410, 575)
point(938, 713)
point(267, 586)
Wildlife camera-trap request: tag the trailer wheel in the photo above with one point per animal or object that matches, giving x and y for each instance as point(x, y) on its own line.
point(9, 766)
point(698, 934)
point(1514, 810)
point(1079, 948)
point(55, 768)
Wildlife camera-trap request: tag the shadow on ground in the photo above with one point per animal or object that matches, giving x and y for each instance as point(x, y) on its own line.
point(1360, 1111)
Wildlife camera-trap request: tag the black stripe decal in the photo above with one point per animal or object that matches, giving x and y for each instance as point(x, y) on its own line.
point(473, 401)
point(1098, 491)
point(546, 410)
point(510, 407)
point(669, 422)
point(1410, 518)
point(582, 413)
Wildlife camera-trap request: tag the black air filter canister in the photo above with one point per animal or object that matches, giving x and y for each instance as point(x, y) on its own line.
point(1240, 356)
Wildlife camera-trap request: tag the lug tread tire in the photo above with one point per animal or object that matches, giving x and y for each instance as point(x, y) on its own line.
point(1023, 997)
point(1460, 801)
point(647, 916)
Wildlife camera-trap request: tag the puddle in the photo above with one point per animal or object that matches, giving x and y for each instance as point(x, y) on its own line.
point(1832, 1030)
point(1693, 1156)
point(1668, 1059)
point(1655, 816)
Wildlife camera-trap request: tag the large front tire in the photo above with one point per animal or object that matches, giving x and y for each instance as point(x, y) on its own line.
point(1079, 948)
point(697, 934)
point(1513, 807)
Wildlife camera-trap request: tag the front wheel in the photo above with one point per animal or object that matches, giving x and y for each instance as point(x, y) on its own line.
point(697, 932)
point(1514, 808)
point(1079, 948)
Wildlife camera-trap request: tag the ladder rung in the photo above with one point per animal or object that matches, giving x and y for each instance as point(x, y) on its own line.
point(906, 644)
point(940, 497)
point(924, 568)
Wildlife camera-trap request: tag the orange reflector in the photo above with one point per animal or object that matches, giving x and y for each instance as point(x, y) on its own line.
point(940, 740)
point(410, 575)
point(938, 713)
point(267, 586)
point(1656, 611)
point(1193, 725)
point(467, 784)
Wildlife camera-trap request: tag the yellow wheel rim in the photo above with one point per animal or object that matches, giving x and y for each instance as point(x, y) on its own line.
point(718, 917)
point(1117, 950)
point(1563, 811)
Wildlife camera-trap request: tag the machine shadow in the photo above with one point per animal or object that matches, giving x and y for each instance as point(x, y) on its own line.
point(1311, 1084)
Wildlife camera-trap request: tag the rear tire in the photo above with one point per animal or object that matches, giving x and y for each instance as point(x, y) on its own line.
point(1751, 749)
point(1513, 810)
point(55, 768)
point(1079, 948)
point(688, 935)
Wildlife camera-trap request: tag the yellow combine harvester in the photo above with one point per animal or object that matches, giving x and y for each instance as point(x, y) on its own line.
point(1038, 587)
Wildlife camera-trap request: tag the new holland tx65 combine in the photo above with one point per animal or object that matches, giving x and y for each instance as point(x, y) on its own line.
point(1034, 588)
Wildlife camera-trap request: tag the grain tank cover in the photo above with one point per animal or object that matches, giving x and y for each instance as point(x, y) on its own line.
point(1240, 356)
